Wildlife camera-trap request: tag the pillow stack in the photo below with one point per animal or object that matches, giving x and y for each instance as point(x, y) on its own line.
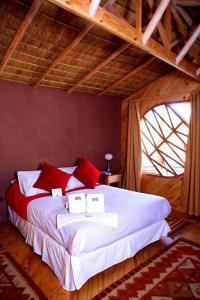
point(85, 175)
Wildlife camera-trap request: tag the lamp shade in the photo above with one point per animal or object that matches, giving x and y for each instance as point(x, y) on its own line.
point(108, 156)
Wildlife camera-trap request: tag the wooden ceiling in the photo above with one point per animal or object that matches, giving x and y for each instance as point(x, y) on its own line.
point(45, 45)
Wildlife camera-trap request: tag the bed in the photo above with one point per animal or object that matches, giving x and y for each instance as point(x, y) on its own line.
point(80, 250)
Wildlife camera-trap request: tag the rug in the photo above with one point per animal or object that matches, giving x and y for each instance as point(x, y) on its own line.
point(173, 273)
point(15, 284)
point(177, 225)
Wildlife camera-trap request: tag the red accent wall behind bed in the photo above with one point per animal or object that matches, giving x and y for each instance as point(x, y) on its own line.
point(46, 124)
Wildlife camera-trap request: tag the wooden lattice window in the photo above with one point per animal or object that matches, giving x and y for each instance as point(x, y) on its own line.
point(164, 131)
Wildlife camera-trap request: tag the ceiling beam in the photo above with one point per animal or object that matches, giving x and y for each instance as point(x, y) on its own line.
point(109, 2)
point(20, 32)
point(99, 66)
point(138, 14)
point(94, 4)
point(128, 75)
point(188, 45)
point(185, 16)
point(155, 20)
point(71, 45)
point(113, 11)
point(198, 71)
point(188, 2)
point(168, 24)
point(121, 28)
point(178, 20)
point(161, 30)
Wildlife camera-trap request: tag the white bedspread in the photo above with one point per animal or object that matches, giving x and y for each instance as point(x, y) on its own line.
point(109, 219)
point(135, 211)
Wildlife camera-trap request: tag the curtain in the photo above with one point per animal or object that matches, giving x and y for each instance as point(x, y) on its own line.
point(191, 179)
point(134, 154)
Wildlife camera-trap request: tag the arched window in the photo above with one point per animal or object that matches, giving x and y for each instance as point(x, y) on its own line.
point(164, 131)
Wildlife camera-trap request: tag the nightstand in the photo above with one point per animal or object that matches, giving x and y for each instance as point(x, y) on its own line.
point(114, 178)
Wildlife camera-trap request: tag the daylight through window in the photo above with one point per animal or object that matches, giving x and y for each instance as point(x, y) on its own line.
point(164, 131)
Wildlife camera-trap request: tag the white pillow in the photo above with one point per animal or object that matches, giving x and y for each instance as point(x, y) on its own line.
point(73, 183)
point(28, 178)
point(68, 170)
point(26, 181)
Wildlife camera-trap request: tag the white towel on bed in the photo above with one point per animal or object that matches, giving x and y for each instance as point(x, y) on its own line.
point(109, 219)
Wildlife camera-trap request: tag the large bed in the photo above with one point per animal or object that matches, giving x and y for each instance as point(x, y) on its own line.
point(81, 249)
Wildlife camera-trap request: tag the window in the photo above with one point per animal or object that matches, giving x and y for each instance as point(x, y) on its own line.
point(164, 131)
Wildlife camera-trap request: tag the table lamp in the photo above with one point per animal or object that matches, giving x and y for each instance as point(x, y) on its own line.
point(108, 157)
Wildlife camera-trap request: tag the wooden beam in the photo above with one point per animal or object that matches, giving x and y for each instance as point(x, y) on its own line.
point(113, 11)
point(100, 65)
point(137, 69)
point(188, 45)
point(179, 22)
point(128, 75)
point(94, 4)
point(109, 2)
point(184, 15)
point(121, 28)
point(71, 45)
point(161, 30)
point(198, 71)
point(138, 12)
point(168, 24)
point(177, 42)
point(20, 32)
point(188, 2)
point(155, 20)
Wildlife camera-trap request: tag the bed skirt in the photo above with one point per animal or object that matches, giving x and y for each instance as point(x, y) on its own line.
point(74, 271)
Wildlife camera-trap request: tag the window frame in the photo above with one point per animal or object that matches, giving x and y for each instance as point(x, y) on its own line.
point(150, 108)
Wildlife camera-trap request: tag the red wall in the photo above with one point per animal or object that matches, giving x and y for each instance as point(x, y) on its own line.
point(46, 124)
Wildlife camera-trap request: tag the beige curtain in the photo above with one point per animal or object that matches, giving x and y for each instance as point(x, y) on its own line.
point(133, 160)
point(191, 180)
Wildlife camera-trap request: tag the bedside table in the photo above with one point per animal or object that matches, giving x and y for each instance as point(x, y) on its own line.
point(115, 178)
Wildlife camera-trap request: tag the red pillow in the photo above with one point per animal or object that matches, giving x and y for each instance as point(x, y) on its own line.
point(52, 178)
point(87, 173)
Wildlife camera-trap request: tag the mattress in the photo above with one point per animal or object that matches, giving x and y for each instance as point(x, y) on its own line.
point(135, 211)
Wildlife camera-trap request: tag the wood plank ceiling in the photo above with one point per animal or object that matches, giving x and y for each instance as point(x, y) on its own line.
point(45, 45)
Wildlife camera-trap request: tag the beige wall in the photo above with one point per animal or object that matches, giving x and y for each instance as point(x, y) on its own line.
point(170, 88)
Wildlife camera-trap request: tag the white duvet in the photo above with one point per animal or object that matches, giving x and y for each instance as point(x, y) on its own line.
point(135, 212)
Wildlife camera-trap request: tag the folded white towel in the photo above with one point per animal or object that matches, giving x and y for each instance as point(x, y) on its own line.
point(81, 203)
point(77, 203)
point(109, 219)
